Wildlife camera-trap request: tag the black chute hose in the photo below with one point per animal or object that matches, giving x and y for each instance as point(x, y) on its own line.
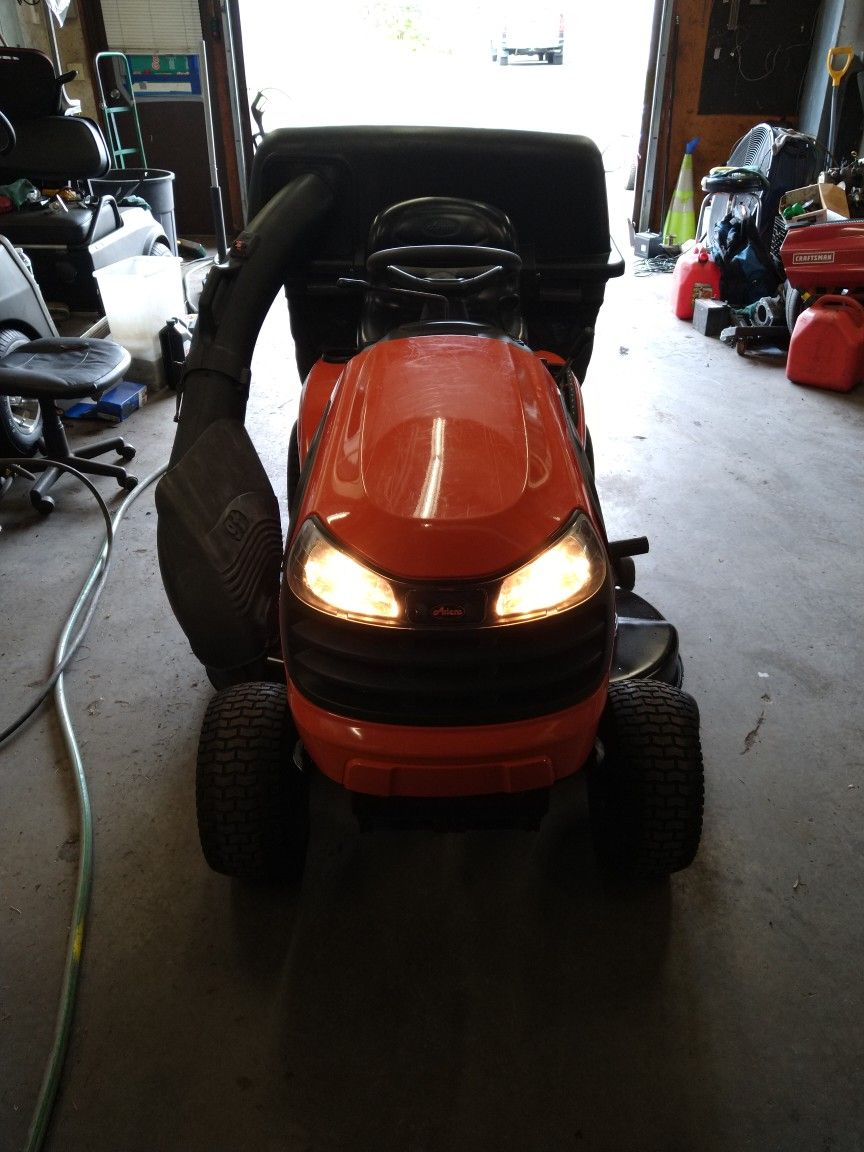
point(232, 312)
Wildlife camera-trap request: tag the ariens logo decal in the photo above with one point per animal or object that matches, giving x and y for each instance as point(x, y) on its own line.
point(448, 612)
point(813, 257)
point(446, 607)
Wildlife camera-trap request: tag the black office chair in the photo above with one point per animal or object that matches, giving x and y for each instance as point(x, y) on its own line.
point(44, 367)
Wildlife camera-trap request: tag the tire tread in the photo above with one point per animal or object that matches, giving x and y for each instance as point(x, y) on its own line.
point(648, 796)
point(250, 797)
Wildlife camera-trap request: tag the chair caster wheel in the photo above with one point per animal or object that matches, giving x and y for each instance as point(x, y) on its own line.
point(127, 452)
point(128, 483)
point(43, 504)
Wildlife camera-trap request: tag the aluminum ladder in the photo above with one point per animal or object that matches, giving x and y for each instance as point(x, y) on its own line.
point(118, 81)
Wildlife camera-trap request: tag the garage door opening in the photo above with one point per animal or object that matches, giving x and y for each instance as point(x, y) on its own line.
point(438, 62)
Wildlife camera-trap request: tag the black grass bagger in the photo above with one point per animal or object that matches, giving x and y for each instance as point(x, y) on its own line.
point(445, 629)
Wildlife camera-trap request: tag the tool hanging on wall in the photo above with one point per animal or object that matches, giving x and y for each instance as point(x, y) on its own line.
point(844, 53)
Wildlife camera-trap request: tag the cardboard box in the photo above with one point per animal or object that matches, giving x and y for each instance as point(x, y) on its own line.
point(830, 200)
point(121, 401)
point(114, 405)
point(81, 410)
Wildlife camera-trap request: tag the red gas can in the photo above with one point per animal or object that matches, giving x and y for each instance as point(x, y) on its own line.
point(696, 277)
point(827, 346)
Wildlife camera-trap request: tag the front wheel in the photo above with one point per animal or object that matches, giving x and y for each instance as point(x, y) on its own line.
point(252, 800)
point(20, 416)
point(646, 793)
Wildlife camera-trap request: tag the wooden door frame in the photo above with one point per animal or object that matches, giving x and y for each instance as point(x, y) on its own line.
point(231, 120)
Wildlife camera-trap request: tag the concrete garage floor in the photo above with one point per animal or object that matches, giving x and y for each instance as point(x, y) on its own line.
point(482, 991)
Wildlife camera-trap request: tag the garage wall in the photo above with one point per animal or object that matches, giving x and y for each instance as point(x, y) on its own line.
point(10, 27)
point(828, 32)
point(718, 132)
point(840, 23)
point(23, 26)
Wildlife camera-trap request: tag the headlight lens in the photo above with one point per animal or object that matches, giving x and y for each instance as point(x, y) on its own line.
point(567, 573)
point(327, 578)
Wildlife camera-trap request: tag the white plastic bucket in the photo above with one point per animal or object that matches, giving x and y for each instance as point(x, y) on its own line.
point(139, 295)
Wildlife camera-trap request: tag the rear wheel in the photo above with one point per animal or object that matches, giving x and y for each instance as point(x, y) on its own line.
point(160, 248)
point(646, 795)
point(252, 800)
point(20, 418)
point(794, 306)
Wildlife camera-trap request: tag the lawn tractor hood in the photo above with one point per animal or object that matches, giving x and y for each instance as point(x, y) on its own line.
point(446, 457)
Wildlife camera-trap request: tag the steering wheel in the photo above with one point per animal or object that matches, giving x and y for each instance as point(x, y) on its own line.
point(7, 135)
point(401, 264)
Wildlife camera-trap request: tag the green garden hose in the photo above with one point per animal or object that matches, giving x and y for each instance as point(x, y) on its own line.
point(66, 646)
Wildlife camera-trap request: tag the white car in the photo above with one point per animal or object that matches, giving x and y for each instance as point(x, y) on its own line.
point(539, 32)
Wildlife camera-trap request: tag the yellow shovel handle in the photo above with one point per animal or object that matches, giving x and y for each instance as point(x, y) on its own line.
point(834, 72)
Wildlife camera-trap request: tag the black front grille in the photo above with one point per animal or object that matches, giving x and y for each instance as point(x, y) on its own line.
point(462, 674)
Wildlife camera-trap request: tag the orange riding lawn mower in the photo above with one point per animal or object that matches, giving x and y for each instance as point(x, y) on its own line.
point(445, 630)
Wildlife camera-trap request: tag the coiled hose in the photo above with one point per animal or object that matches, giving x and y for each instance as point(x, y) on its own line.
point(67, 645)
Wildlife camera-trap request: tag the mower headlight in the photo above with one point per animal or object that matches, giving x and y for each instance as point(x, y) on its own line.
point(325, 577)
point(567, 573)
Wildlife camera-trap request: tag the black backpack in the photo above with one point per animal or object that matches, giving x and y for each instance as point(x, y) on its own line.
point(747, 270)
